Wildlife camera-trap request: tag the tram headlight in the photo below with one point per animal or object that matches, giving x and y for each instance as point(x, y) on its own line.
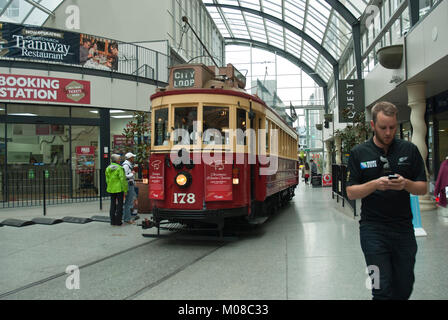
point(183, 179)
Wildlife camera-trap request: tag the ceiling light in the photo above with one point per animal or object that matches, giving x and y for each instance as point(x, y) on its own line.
point(23, 114)
point(123, 117)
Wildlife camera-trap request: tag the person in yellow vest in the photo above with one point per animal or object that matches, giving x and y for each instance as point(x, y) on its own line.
point(117, 186)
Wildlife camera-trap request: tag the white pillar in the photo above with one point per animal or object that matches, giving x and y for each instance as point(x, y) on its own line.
point(328, 158)
point(417, 103)
point(338, 145)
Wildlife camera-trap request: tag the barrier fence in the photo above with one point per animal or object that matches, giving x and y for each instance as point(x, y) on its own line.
point(339, 184)
point(42, 186)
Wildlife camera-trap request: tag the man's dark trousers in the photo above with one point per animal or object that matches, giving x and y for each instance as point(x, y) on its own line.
point(116, 208)
point(393, 253)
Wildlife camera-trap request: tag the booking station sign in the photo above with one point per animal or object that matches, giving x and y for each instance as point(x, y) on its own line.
point(44, 89)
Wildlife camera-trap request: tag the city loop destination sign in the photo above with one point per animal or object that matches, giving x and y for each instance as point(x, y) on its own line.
point(26, 42)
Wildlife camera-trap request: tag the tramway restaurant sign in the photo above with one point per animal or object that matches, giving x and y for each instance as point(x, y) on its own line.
point(43, 89)
point(351, 99)
point(27, 42)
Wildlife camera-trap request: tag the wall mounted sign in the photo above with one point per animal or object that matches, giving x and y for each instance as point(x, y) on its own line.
point(351, 99)
point(52, 45)
point(43, 89)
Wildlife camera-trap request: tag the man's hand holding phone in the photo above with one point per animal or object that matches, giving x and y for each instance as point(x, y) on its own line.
point(391, 182)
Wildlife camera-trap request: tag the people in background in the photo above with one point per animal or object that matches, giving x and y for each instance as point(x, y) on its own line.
point(117, 186)
point(313, 167)
point(128, 167)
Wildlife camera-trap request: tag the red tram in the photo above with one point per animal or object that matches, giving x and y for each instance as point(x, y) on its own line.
point(217, 152)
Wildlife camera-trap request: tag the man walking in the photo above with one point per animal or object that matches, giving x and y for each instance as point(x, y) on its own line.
point(128, 167)
point(117, 186)
point(383, 172)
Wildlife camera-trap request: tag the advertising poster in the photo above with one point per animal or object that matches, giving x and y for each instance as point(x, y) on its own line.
point(98, 53)
point(156, 178)
point(51, 45)
point(218, 182)
point(28, 42)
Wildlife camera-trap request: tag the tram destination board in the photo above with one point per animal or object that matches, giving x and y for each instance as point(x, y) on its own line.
point(184, 78)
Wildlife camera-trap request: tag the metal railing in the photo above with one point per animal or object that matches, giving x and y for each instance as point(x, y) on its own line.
point(339, 173)
point(46, 185)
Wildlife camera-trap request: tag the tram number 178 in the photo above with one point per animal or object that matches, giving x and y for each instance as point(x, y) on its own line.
point(184, 198)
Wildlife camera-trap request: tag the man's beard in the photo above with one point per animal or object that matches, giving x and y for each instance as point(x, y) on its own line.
point(380, 140)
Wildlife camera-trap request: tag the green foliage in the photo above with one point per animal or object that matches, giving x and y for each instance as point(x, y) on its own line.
point(354, 134)
point(135, 132)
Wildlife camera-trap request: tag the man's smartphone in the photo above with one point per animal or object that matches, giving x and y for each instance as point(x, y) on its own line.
point(392, 176)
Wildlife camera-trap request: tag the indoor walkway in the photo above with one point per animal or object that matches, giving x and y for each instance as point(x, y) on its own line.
point(309, 250)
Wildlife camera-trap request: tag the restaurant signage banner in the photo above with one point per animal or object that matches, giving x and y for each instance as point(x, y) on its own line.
point(52, 45)
point(43, 89)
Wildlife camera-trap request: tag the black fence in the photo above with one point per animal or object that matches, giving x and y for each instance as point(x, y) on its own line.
point(46, 185)
point(339, 184)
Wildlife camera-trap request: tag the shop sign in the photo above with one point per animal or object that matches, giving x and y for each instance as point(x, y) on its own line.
point(43, 89)
point(351, 99)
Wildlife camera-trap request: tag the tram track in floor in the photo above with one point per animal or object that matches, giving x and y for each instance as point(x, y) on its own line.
point(129, 296)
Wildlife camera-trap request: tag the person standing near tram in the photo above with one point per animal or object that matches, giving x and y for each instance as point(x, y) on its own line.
point(383, 172)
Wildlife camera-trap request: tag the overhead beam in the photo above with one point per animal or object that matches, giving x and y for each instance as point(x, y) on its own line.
point(288, 56)
point(316, 45)
point(40, 7)
point(343, 11)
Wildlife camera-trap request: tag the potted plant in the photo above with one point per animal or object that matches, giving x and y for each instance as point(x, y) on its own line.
point(319, 126)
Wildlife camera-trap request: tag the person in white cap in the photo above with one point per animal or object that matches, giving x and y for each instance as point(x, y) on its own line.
point(128, 167)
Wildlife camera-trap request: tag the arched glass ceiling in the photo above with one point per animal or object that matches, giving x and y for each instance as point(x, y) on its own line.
point(32, 12)
point(273, 22)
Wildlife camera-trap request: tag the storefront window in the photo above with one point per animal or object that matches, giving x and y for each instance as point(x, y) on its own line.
point(78, 112)
point(161, 127)
point(35, 111)
point(2, 109)
point(406, 131)
point(85, 159)
point(2, 161)
point(443, 136)
point(119, 119)
point(184, 126)
point(37, 144)
point(216, 125)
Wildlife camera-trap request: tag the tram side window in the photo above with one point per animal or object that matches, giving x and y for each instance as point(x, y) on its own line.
point(185, 126)
point(160, 127)
point(241, 124)
point(215, 125)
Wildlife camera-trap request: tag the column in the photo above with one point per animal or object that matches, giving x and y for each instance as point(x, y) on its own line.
point(417, 103)
point(338, 145)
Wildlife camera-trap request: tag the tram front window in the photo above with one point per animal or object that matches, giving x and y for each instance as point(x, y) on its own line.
point(216, 125)
point(160, 127)
point(184, 125)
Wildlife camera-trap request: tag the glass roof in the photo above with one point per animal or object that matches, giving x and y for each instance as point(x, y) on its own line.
point(32, 12)
point(275, 22)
